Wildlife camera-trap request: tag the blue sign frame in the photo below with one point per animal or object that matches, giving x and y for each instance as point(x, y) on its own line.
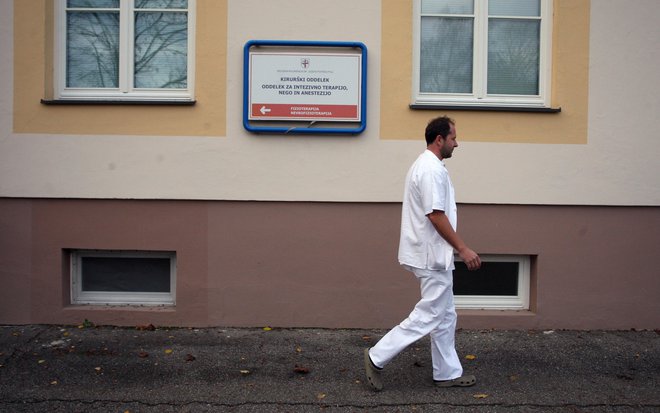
point(252, 126)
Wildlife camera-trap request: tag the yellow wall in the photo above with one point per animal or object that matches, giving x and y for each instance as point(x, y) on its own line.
point(33, 81)
point(570, 81)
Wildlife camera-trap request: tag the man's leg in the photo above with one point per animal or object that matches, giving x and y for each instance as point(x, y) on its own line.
point(446, 364)
point(426, 316)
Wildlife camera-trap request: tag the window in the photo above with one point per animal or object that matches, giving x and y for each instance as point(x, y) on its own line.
point(502, 282)
point(123, 277)
point(482, 53)
point(124, 49)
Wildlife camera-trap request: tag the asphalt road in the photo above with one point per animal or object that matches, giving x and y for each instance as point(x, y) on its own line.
point(107, 369)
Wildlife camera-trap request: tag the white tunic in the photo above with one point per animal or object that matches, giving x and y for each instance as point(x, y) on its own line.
point(427, 188)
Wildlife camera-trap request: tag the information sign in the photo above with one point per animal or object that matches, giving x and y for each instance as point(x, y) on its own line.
point(299, 82)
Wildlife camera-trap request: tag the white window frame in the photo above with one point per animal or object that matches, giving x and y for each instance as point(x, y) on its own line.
point(125, 91)
point(479, 95)
point(78, 296)
point(501, 302)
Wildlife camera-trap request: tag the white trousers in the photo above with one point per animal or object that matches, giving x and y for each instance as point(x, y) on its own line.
point(434, 314)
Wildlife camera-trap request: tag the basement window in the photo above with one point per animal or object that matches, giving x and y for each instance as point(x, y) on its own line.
point(502, 283)
point(123, 277)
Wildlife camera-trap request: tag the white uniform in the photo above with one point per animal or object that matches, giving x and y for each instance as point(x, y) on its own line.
point(424, 252)
point(428, 188)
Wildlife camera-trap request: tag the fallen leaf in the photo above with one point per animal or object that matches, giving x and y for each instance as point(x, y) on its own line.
point(190, 357)
point(168, 351)
point(267, 328)
point(298, 349)
point(98, 369)
point(321, 396)
point(300, 369)
point(470, 357)
point(143, 354)
point(366, 338)
point(513, 377)
point(148, 327)
point(53, 383)
point(480, 396)
point(41, 361)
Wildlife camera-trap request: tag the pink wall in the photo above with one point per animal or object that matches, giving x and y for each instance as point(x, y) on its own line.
point(326, 264)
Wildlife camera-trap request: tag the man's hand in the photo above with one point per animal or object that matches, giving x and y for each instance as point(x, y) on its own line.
point(470, 258)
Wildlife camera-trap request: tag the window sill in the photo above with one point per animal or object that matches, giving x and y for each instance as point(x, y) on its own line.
point(118, 102)
point(120, 307)
point(489, 312)
point(487, 108)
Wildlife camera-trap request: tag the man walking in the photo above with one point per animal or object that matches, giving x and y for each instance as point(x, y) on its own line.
point(426, 248)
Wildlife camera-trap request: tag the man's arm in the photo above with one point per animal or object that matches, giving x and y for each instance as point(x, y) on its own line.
point(443, 226)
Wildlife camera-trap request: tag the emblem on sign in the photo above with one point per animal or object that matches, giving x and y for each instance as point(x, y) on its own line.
point(304, 62)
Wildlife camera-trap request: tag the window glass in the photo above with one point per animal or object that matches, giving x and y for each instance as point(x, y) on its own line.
point(513, 56)
point(448, 6)
point(492, 279)
point(125, 274)
point(93, 4)
point(92, 50)
point(161, 4)
point(161, 42)
point(514, 8)
point(446, 55)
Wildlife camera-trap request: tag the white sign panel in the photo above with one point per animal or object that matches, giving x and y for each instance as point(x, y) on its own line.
point(305, 86)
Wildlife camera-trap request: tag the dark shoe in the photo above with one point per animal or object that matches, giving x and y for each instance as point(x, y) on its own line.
point(463, 381)
point(372, 372)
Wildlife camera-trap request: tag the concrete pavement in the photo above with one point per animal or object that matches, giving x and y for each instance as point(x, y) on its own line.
point(108, 369)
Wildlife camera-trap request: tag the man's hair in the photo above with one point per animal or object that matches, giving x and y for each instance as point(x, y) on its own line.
point(438, 126)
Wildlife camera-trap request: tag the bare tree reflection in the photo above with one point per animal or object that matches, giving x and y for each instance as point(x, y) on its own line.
point(513, 57)
point(446, 55)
